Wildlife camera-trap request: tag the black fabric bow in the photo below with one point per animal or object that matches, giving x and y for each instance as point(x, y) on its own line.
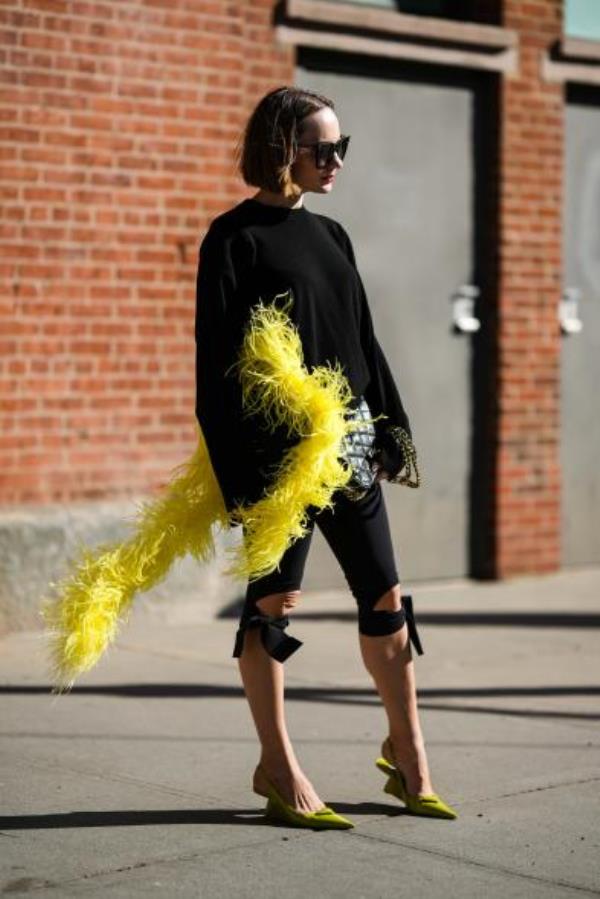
point(387, 621)
point(278, 644)
point(407, 604)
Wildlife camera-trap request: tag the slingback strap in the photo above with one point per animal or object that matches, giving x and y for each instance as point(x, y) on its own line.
point(413, 635)
point(278, 644)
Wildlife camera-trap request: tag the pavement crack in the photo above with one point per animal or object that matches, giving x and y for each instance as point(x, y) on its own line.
point(103, 775)
point(542, 789)
point(157, 863)
point(486, 866)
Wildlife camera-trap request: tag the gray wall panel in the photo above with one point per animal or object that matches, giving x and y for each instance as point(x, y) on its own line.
point(580, 371)
point(405, 197)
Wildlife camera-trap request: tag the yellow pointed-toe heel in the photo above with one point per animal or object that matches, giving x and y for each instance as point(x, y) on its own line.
point(428, 804)
point(279, 810)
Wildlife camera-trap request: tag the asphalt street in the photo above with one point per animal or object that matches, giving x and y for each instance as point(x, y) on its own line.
point(139, 782)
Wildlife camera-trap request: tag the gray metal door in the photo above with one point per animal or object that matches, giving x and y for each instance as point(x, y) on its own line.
point(580, 363)
point(405, 196)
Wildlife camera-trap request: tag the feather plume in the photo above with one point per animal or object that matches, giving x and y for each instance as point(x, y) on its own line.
point(95, 598)
point(277, 385)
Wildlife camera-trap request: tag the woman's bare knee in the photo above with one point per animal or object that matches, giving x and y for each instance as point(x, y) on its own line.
point(390, 599)
point(278, 604)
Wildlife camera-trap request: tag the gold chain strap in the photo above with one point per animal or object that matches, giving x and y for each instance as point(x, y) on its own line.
point(412, 477)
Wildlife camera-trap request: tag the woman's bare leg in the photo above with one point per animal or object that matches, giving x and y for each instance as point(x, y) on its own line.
point(389, 662)
point(263, 679)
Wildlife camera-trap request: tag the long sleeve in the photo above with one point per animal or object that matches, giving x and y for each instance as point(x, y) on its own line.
point(224, 264)
point(394, 435)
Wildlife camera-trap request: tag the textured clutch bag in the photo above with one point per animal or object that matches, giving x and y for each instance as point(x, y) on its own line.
point(364, 452)
point(358, 450)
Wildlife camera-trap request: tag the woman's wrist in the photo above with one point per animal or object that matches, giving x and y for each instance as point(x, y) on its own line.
point(396, 456)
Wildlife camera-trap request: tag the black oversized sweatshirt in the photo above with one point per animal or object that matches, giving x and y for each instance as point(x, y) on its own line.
point(254, 252)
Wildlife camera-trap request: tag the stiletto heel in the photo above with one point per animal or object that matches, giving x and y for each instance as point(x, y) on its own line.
point(428, 804)
point(279, 810)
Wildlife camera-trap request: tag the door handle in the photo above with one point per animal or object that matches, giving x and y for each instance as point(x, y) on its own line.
point(570, 323)
point(463, 305)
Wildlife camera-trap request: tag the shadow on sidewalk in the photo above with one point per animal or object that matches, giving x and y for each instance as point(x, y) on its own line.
point(145, 818)
point(335, 695)
point(467, 619)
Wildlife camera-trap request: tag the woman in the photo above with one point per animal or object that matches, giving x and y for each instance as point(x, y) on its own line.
point(266, 246)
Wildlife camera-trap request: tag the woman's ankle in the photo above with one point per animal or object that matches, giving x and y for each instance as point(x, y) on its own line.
point(281, 762)
point(409, 751)
point(412, 761)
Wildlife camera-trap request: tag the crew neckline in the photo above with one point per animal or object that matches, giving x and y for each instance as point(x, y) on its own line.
point(270, 206)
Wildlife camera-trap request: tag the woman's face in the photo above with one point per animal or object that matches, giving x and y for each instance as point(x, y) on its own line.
point(322, 125)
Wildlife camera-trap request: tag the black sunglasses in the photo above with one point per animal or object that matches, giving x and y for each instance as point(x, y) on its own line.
point(324, 150)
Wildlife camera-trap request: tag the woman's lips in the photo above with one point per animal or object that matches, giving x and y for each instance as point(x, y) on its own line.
point(327, 180)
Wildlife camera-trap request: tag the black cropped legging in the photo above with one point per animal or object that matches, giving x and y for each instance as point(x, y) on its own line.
point(358, 533)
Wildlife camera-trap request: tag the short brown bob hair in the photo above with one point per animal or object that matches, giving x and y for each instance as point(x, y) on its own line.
point(269, 141)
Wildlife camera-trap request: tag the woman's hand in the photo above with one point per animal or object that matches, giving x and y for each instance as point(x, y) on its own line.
point(379, 471)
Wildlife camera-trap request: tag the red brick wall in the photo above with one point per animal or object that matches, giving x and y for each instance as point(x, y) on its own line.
point(119, 122)
point(529, 288)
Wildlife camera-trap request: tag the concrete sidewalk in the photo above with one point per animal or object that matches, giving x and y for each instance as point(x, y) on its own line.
point(139, 782)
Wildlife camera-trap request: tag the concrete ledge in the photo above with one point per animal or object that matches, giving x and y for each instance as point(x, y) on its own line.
point(37, 545)
point(388, 33)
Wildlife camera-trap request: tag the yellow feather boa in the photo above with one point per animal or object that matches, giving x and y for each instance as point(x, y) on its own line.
point(97, 596)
